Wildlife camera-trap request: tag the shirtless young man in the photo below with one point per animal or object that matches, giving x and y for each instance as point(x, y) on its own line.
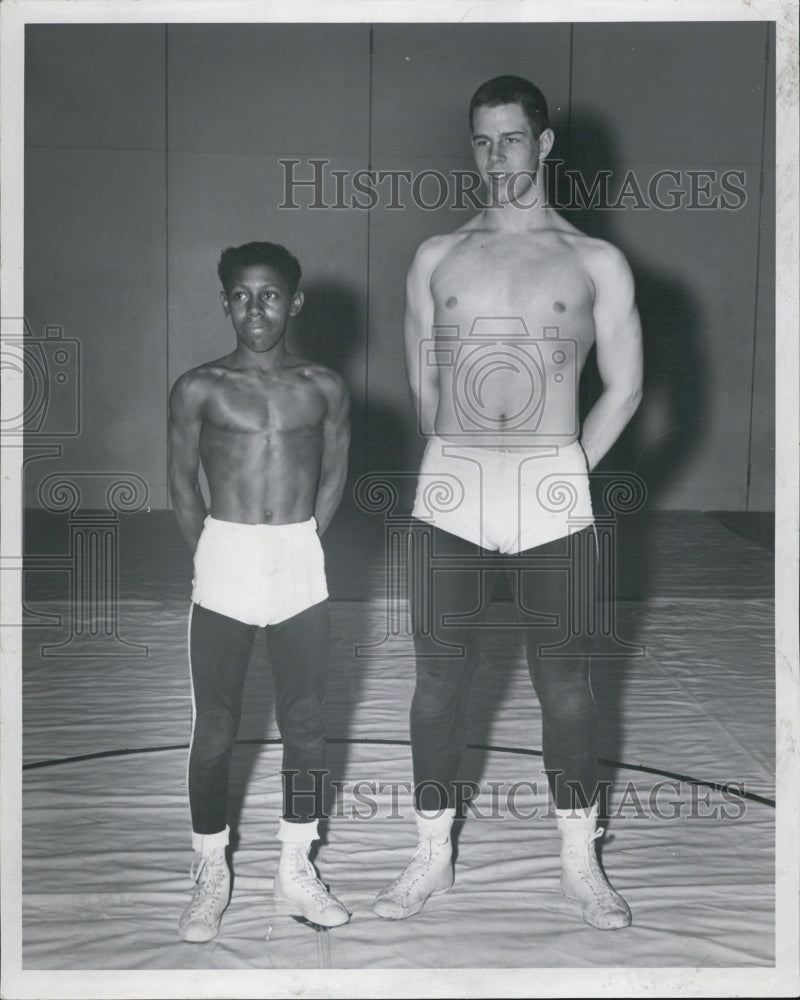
point(500, 316)
point(272, 432)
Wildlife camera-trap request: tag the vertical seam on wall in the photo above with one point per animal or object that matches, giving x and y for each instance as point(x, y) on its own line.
point(758, 265)
point(569, 97)
point(166, 237)
point(365, 454)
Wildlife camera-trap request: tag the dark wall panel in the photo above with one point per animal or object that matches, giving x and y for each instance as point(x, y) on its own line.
point(287, 89)
point(95, 241)
point(682, 97)
point(94, 86)
point(425, 74)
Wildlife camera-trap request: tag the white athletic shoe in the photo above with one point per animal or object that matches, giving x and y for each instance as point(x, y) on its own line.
point(429, 872)
point(211, 875)
point(299, 893)
point(582, 878)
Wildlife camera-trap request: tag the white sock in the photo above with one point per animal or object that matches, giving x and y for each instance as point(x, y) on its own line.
point(297, 833)
point(579, 812)
point(435, 822)
point(205, 843)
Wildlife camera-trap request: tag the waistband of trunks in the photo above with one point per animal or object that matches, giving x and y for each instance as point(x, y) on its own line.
point(521, 451)
point(231, 528)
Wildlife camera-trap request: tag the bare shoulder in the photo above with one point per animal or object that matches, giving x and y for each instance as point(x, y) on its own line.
point(329, 382)
point(605, 263)
point(195, 386)
point(433, 250)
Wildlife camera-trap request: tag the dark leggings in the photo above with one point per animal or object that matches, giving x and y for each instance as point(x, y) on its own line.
point(220, 649)
point(551, 605)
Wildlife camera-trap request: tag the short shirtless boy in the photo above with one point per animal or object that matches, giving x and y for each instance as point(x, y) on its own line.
point(272, 433)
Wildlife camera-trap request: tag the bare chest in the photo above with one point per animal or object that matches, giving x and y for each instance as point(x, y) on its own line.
point(484, 285)
point(249, 404)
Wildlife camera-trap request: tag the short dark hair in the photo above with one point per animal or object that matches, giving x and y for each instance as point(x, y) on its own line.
point(513, 90)
point(249, 254)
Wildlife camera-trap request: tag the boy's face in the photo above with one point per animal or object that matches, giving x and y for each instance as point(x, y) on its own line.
point(259, 304)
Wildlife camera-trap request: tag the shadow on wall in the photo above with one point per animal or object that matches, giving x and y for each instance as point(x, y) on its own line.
point(662, 436)
point(330, 329)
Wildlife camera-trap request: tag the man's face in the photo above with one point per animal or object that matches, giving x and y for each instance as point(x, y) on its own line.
point(506, 153)
point(259, 305)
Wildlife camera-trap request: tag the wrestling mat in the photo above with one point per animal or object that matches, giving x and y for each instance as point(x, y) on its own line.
point(688, 740)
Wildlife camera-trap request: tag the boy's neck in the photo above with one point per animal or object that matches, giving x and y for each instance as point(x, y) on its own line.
point(275, 357)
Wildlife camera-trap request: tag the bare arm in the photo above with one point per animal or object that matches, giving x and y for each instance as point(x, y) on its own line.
point(423, 374)
point(185, 419)
point(619, 355)
point(336, 442)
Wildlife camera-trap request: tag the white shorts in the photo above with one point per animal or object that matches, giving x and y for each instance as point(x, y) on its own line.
point(260, 574)
point(505, 501)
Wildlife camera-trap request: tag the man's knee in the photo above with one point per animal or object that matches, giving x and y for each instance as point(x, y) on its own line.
point(302, 723)
point(564, 690)
point(437, 687)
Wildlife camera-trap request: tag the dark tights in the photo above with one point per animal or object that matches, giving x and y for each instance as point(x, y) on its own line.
point(220, 649)
point(561, 682)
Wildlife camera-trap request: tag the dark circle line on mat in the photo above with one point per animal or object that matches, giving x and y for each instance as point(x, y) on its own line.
point(717, 786)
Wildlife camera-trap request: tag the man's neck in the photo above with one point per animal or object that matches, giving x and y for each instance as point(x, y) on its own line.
point(533, 213)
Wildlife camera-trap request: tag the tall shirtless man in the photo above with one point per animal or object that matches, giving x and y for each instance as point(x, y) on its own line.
point(272, 433)
point(500, 316)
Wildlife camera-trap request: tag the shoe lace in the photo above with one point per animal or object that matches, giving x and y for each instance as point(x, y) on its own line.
point(414, 870)
point(208, 875)
point(306, 878)
point(598, 884)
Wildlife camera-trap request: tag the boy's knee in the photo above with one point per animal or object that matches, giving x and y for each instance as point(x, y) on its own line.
point(214, 735)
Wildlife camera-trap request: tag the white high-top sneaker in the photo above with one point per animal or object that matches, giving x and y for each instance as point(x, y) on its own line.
point(582, 878)
point(200, 920)
point(298, 891)
point(429, 872)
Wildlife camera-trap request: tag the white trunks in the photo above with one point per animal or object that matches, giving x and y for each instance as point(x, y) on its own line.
point(505, 501)
point(260, 574)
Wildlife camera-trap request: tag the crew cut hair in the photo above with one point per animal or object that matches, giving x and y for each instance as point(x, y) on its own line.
point(513, 90)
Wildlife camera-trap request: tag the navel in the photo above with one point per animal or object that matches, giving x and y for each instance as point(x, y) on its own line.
point(452, 301)
point(559, 307)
